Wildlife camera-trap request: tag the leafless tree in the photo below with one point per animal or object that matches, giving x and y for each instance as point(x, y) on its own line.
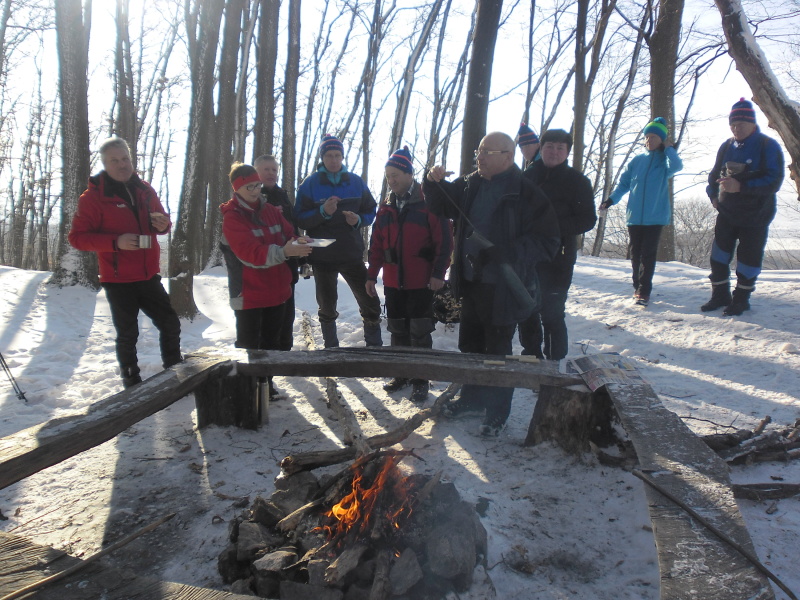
point(694, 231)
point(290, 98)
point(202, 19)
point(265, 76)
point(476, 104)
point(73, 25)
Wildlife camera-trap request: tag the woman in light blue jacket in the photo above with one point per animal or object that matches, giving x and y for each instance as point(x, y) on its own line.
point(647, 180)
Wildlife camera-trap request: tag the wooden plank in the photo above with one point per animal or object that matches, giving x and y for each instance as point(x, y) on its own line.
point(24, 563)
point(31, 450)
point(388, 361)
point(693, 562)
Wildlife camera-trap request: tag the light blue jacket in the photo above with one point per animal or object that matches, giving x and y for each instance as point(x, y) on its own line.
point(647, 178)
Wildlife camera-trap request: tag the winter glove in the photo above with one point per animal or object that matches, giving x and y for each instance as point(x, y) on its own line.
point(605, 205)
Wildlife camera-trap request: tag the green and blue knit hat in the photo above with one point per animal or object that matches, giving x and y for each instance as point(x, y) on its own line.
point(658, 127)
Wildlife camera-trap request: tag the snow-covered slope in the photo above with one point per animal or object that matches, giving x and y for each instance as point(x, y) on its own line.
point(581, 529)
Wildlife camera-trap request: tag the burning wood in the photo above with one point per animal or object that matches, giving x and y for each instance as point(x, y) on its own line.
point(372, 529)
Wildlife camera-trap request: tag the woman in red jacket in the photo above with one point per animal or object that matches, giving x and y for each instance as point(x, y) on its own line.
point(256, 242)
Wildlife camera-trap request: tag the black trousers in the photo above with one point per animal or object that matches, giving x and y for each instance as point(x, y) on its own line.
point(477, 334)
point(125, 301)
point(544, 333)
point(326, 279)
point(749, 253)
point(260, 328)
point(287, 328)
point(644, 249)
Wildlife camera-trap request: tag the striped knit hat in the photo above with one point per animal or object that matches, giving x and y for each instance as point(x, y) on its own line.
point(401, 159)
point(525, 136)
point(657, 126)
point(330, 142)
point(742, 111)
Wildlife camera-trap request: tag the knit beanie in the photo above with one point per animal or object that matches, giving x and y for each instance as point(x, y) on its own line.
point(525, 136)
point(330, 142)
point(658, 126)
point(401, 159)
point(742, 111)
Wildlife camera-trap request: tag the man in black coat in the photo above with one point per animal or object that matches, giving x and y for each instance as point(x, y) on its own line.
point(570, 193)
point(504, 225)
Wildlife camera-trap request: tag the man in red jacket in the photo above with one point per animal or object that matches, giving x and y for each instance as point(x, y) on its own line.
point(118, 217)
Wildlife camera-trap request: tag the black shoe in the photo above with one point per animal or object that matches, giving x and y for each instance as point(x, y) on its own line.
point(492, 426)
point(720, 296)
point(130, 376)
point(641, 299)
point(461, 408)
point(419, 391)
point(739, 303)
point(395, 384)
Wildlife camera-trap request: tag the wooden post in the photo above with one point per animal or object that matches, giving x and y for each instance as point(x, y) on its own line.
point(571, 416)
point(226, 401)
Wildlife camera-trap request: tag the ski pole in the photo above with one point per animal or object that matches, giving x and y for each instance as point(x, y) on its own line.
point(14, 384)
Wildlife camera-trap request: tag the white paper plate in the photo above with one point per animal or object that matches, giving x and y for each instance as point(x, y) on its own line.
point(316, 243)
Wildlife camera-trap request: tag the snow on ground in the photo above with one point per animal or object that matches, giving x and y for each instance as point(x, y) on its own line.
point(581, 528)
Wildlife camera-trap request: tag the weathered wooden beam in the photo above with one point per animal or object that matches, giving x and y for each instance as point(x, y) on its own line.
point(29, 451)
point(436, 365)
point(693, 562)
point(24, 563)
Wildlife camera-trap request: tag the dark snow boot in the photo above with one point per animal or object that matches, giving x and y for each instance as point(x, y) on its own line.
point(372, 333)
point(720, 296)
point(395, 384)
point(739, 303)
point(419, 390)
point(329, 337)
point(130, 376)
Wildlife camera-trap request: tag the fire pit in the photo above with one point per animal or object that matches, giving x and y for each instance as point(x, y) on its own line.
point(369, 531)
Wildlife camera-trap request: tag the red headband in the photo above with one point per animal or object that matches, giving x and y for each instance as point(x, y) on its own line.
point(244, 180)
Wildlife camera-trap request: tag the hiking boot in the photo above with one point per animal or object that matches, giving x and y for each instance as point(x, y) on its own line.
point(461, 408)
point(419, 391)
point(130, 376)
point(740, 302)
point(720, 296)
point(492, 426)
point(641, 299)
point(395, 384)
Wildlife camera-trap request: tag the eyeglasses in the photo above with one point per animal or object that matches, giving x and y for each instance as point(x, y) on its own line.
point(253, 187)
point(480, 152)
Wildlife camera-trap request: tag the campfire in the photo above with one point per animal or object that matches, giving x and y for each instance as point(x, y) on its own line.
point(369, 531)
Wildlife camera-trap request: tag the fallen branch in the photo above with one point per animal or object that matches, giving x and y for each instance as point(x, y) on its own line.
point(322, 458)
point(766, 491)
point(85, 563)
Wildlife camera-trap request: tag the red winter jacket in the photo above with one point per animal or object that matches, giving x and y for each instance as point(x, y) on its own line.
point(106, 210)
point(258, 276)
point(419, 242)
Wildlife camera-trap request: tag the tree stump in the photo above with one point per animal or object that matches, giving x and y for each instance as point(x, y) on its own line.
point(226, 401)
point(571, 416)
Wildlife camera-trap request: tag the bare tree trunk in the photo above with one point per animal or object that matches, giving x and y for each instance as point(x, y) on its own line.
point(125, 125)
point(476, 105)
point(222, 142)
point(265, 77)
point(202, 27)
point(781, 111)
point(290, 99)
point(240, 129)
point(73, 24)
point(663, 59)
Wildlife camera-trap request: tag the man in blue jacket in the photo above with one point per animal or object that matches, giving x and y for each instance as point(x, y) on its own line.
point(336, 204)
point(742, 187)
point(504, 226)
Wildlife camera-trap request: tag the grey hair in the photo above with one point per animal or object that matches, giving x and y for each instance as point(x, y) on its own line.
point(266, 158)
point(111, 143)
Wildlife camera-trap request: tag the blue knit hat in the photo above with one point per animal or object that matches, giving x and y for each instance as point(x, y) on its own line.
point(657, 126)
point(401, 159)
point(742, 111)
point(525, 136)
point(330, 142)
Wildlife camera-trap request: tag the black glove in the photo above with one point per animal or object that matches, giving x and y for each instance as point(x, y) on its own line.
point(605, 205)
point(490, 254)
